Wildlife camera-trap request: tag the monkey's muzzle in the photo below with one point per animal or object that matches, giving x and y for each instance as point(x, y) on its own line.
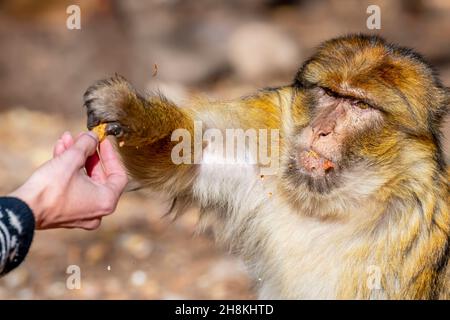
point(314, 163)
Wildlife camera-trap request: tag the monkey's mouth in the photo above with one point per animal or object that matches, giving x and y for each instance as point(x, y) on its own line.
point(315, 164)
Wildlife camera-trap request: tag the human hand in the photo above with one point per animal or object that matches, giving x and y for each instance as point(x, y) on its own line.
point(75, 189)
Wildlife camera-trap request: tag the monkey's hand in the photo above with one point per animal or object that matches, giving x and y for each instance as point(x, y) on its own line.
point(114, 103)
point(135, 121)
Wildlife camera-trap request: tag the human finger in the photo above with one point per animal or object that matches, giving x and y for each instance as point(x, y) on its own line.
point(116, 175)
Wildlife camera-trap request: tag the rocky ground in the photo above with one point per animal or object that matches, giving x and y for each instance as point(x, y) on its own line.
point(218, 49)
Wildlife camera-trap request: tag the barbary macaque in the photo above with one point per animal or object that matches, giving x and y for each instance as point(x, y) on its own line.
point(359, 206)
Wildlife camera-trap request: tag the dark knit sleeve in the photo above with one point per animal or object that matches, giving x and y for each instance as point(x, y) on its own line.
point(16, 232)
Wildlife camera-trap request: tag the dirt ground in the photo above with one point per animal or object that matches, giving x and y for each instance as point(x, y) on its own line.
point(208, 48)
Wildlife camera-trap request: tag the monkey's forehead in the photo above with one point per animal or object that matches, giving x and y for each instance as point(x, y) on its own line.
point(356, 59)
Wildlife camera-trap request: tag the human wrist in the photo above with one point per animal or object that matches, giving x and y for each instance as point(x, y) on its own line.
point(34, 198)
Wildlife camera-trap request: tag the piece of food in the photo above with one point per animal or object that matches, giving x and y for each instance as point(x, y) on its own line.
point(313, 154)
point(100, 130)
point(327, 165)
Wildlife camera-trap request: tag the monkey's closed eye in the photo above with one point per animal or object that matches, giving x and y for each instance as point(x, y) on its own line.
point(354, 102)
point(360, 104)
point(329, 92)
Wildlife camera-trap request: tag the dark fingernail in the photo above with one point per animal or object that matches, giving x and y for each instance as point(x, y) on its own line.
point(114, 129)
point(92, 121)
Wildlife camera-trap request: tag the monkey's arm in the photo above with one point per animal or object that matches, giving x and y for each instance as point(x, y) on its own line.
point(144, 127)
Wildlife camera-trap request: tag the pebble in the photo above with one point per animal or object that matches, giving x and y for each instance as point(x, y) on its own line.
point(138, 278)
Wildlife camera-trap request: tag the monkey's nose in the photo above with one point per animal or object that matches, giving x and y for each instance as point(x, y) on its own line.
point(323, 125)
point(322, 131)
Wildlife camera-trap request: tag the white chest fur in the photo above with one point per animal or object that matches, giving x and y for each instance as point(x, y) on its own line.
point(294, 259)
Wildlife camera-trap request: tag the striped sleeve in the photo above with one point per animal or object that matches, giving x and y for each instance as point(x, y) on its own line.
point(16, 232)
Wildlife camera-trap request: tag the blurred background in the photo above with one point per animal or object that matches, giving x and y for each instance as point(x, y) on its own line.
point(217, 49)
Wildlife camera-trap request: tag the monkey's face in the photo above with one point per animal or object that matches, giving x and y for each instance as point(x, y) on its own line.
point(363, 107)
point(332, 141)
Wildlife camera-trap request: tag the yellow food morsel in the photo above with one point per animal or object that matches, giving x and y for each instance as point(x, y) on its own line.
point(100, 130)
point(313, 154)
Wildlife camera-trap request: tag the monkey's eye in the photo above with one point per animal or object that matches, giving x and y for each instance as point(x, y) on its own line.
point(328, 92)
point(360, 104)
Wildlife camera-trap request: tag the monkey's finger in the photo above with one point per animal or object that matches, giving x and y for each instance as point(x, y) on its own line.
point(116, 175)
point(93, 120)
